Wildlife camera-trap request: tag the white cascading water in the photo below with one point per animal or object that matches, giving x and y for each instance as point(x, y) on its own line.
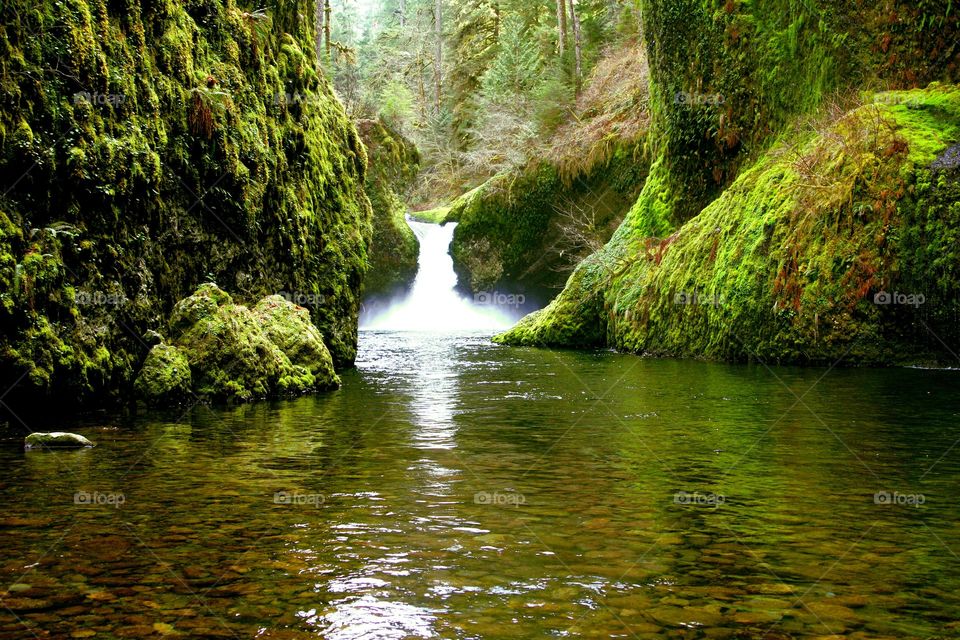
point(433, 303)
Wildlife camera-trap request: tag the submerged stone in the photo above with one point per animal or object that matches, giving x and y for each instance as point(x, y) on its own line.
point(56, 440)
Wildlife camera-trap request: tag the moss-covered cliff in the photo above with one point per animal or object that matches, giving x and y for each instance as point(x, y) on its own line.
point(393, 167)
point(147, 147)
point(764, 231)
point(528, 228)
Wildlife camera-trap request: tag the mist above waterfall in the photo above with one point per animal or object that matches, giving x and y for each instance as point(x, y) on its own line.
point(433, 303)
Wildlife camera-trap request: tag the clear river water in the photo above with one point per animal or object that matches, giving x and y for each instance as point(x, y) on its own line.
point(458, 489)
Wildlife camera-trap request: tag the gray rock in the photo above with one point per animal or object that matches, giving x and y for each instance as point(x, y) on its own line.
point(56, 440)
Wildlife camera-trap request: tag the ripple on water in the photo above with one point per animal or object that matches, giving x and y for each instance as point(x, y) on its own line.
point(466, 490)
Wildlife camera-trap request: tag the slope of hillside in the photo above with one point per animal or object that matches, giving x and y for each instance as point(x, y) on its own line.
point(759, 235)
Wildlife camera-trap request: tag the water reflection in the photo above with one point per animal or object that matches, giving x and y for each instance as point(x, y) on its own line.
point(421, 460)
point(368, 617)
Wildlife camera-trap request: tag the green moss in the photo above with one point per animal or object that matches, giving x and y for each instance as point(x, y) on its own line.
point(236, 354)
point(726, 76)
point(785, 265)
point(435, 216)
point(289, 327)
point(575, 318)
point(157, 133)
point(164, 378)
point(394, 165)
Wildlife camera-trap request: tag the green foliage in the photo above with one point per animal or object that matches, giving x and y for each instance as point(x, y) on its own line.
point(504, 86)
point(514, 69)
point(396, 103)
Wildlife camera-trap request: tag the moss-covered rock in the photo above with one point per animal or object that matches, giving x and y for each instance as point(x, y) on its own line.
point(236, 354)
point(394, 165)
point(165, 377)
point(146, 147)
point(438, 215)
point(754, 236)
point(290, 328)
point(834, 245)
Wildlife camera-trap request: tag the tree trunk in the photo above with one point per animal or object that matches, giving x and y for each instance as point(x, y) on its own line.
point(318, 22)
point(326, 26)
point(403, 14)
point(421, 68)
point(438, 57)
point(578, 40)
point(562, 25)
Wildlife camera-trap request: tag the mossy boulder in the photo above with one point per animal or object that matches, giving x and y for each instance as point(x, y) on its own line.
point(146, 147)
point(290, 328)
point(838, 245)
point(238, 354)
point(56, 440)
point(165, 377)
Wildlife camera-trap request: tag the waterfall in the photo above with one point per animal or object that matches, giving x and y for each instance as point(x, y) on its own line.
point(433, 303)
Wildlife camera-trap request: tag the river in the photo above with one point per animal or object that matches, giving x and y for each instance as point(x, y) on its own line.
point(454, 488)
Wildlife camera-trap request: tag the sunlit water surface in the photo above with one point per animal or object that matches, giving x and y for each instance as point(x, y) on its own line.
point(457, 489)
